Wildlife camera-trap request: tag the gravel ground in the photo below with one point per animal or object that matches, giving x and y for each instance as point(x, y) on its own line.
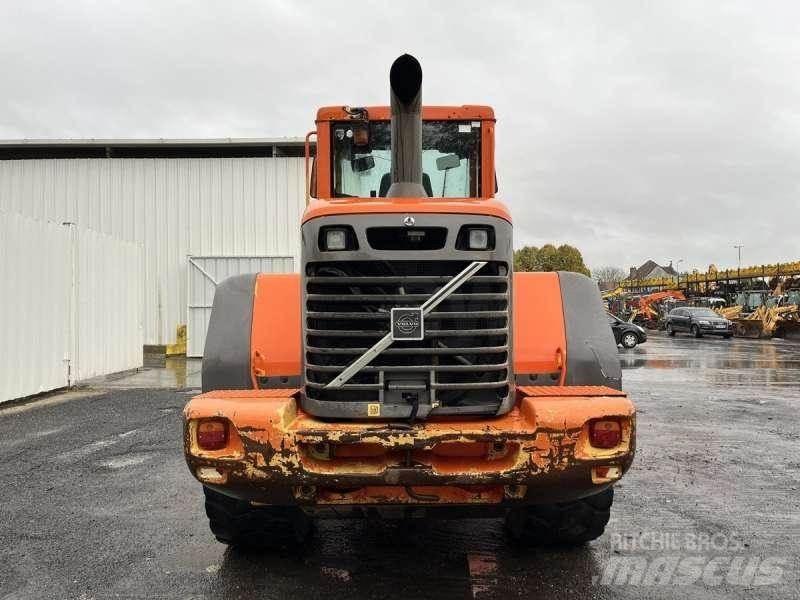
point(96, 502)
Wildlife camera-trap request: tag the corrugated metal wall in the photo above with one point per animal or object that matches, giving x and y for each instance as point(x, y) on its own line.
point(70, 308)
point(109, 278)
point(204, 273)
point(174, 207)
point(34, 306)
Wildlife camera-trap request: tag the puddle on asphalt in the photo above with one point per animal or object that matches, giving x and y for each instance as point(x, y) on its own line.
point(727, 362)
point(469, 558)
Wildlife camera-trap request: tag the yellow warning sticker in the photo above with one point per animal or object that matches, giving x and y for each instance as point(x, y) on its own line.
point(373, 410)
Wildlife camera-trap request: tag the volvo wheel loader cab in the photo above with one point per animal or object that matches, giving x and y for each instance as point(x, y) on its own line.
point(406, 370)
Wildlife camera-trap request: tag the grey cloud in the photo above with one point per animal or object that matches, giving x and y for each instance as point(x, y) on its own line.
point(632, 130)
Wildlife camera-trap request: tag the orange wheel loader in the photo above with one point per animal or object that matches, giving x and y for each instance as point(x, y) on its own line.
point(406, 370)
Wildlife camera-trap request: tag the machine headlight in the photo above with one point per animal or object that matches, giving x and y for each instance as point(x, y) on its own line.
point(475, 237)
point(478, 239)
point(337, 239)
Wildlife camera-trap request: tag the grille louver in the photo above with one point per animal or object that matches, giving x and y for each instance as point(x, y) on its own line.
point(463, 362)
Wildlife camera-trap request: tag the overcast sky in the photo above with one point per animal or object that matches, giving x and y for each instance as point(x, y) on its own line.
point(633, 130)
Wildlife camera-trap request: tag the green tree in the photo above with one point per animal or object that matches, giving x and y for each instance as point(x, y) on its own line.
point(550, 258)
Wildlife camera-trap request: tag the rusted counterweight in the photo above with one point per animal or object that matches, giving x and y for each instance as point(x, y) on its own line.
point(405, 78)
point(276, 454)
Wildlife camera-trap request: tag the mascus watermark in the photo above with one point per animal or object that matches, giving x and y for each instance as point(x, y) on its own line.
point(654, 558)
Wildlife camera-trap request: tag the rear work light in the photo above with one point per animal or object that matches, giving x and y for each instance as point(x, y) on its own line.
point(605, 433)
point(212, 434)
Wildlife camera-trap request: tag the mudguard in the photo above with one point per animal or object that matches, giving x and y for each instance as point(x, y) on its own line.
point(253, 337)
point(592, 356)
point(226, 356)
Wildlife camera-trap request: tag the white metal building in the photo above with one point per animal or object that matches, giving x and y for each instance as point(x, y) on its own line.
point(200, 209)
point(70, 307)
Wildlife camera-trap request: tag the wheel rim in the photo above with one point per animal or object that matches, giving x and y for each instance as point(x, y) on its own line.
point(629, 340)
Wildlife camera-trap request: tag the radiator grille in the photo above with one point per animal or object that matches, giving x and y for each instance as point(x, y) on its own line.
point(463, 362)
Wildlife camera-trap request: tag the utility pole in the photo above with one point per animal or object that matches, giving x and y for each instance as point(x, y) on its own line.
point(739, 267)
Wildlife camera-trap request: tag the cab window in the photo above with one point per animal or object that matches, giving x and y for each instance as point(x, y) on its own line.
point(451, 152)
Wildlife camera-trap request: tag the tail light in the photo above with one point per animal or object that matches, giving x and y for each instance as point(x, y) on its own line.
point(605, 433)
point(212, 434)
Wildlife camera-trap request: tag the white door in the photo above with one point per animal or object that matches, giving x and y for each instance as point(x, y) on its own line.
point(204, 273)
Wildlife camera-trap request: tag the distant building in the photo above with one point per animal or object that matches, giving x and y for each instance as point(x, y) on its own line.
point(652, 270)
point(202, 210)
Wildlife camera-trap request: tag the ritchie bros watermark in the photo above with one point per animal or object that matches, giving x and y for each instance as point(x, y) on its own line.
point(657, 558)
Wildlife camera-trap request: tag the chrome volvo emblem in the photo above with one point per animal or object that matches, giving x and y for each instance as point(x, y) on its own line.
point(409, 221)
point(407, 324)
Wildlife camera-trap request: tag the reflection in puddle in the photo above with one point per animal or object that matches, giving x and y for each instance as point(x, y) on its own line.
point(427, 559)
point(727, 362)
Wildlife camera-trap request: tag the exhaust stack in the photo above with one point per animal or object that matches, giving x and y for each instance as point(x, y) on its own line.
point(405, 79)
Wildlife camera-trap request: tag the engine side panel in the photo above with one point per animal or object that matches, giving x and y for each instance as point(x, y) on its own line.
point(539, 336)
point(276, 329)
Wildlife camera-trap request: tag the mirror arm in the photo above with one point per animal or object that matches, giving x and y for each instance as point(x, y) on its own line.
point(308, 174)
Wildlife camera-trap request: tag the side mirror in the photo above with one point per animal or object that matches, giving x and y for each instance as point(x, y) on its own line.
point(363, 163)
point(310, 178)
point(312, 185)
point(448, 161)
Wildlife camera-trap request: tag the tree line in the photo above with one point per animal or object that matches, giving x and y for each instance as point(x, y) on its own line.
point(550, 258)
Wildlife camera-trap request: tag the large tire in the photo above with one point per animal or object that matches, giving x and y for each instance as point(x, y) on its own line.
point(670, 330)
point(564, 524)
point(238, 523)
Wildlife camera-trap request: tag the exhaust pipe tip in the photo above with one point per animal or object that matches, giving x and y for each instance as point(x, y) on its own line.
point(405, 78)
point(405, 99)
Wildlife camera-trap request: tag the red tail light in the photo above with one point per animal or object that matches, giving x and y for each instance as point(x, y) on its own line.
point(212, 434)
point(605, 433)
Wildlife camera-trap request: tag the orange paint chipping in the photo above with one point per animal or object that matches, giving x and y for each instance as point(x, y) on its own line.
point(277, 442)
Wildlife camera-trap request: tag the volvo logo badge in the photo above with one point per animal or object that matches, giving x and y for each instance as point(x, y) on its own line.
point(409, 221)
point(407, 324)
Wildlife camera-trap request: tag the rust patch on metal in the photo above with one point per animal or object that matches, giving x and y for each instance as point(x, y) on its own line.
point(544, 435)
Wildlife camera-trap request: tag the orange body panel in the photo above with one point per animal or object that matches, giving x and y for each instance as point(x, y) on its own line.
point(366, 206)
point(539, 336)
point(429, 113)
point(275, 337)
point(275, 446)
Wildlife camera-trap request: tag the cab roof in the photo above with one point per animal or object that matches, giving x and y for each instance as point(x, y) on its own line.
point(429, 113)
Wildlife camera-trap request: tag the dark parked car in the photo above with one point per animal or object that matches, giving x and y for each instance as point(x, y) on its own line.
point(626, 333)
point(698, 322)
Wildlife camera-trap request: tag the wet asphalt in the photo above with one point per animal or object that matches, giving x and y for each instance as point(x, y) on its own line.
point(96, 502)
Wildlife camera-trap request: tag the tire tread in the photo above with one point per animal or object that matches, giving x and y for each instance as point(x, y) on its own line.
point(564, 524)
point(237, 523)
